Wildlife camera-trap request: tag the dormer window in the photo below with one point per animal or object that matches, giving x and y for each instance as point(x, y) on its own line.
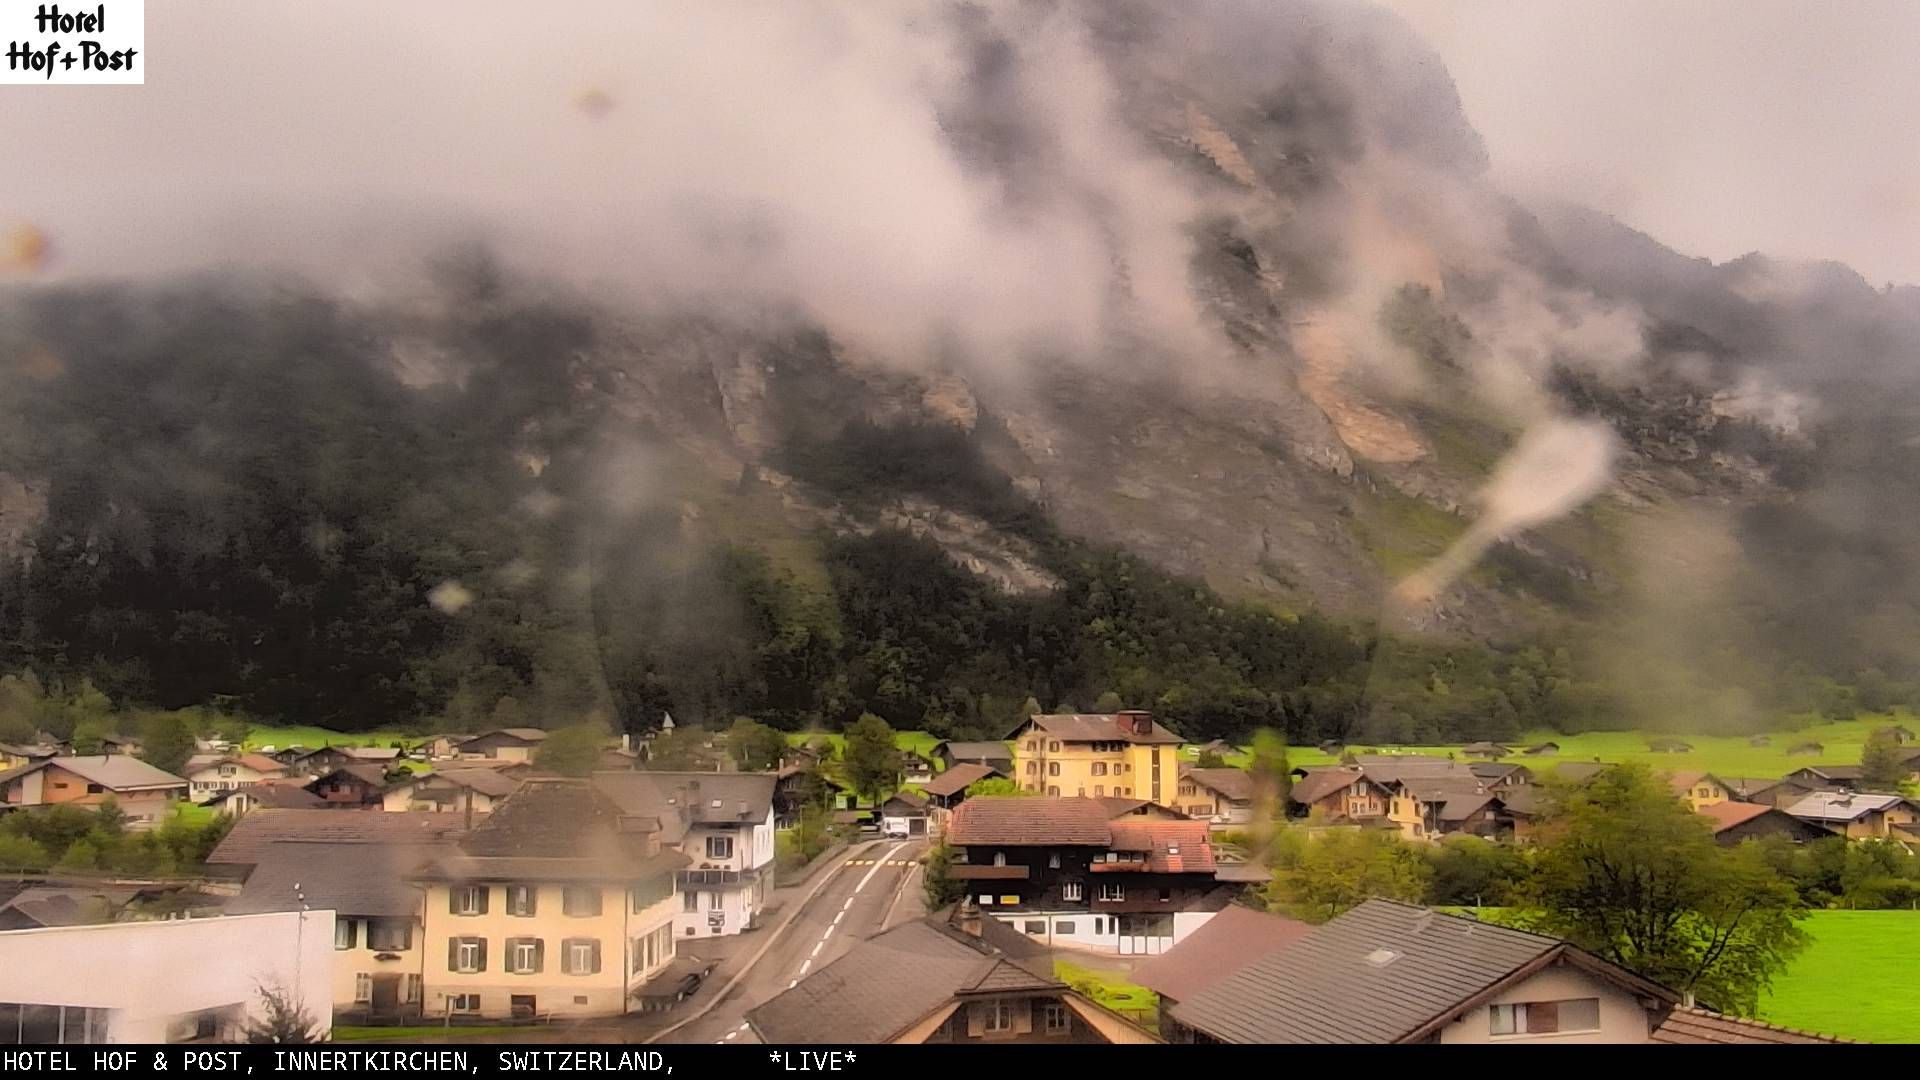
point(999, 858)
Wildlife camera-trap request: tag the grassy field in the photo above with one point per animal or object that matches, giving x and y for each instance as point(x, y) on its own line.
point(316, 737)
point(1855, 980)
point(916, 742)
point(1108, 988)
point(1726, 755)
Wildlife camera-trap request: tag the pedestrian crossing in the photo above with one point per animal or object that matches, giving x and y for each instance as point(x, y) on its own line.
point(880, 862)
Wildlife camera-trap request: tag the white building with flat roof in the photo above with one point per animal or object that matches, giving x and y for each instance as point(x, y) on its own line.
point(162, 982)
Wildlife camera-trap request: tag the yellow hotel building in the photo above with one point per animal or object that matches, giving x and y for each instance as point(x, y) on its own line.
point(1098, 755)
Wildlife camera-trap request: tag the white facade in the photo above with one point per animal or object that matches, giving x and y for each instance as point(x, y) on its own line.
point(1584, 1008)
point(210, 780)
point(725, 887)
point(1100, 932)
point(156, 982)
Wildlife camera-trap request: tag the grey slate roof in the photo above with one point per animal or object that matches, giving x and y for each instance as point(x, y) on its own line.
point(979, 751)
point(673, 799)
point(1377, 974)
point(1224, 944)
point(956, 779)
point(356, 879)
point(253, 833)
point(888, 981)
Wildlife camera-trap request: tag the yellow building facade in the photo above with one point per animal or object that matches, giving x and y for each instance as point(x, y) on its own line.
point(1098, 755)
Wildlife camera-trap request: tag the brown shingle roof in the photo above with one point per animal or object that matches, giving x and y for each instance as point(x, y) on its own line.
point(489, 782)
point(978, 751)
point(1021, 820)
point(115, 772)
point(1101, 727)
point(956, 779)
point(1224, 944)
point(1698, 1026)
point(1320, 783)
point(1728, 814)
point(282, 796)
point(1234, 784)
point(252, 833)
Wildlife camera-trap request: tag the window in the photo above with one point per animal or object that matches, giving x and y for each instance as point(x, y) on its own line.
point(1071, 890)
point(1032, 767)
point(1187, 790)
point(468, 900)
point(1099, 768)
point(464, 1002)
point(582, 956)
point(1166, 895)
point(996, 1016)
point(523, 900)
point(1054, 746)
point(1065, 926)
point(1036, 926)
point(1053, 861)
point(1053, 768)
point(1099, 926)
point(719, 847)
point(523, 956)
point(1544, 1017)
point(343, 933)
point(1006, 899)
point(415, 990)
point(1054, 791)
point(580, 901)
point(363, 988)
point(1099, 790)
point(1056, 1017)
point(389, 935)
point(715, 900)
point(95, 789)
point(690, 901)
point(1032, 745)
point(467, 955)
point(1112, 892)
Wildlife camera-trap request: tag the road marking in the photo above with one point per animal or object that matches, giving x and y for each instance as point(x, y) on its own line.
point(805, 966)
point(876, 866)
point(816, 949)
point(793, 984)
point(847, 905)
point(842, 915)
point(743, 1025)
point(731, 1035)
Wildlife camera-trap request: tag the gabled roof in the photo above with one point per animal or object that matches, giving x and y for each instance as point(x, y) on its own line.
point(367, 773)
point(1101, 727)
point(284, 796)
point(1726, 815)
point(1697, 1026)
point(1171, 847)
point(1842, 805)
point(1579, 772)
point(682, 798)
point(1684, 780)
point(489, 782)
point(956, 779)
point(518, 734)
point(256, 762)
point(1016, 820)
point(360, 878)
point(253, 833)
point(1747, 787)
point(1831, 772)
point(115, 772)
point(1224, 944)
point(889, 981)
point(911, 799)
point(557, 830)
point(1320, 783)
point(1236, 784)
point(1384, 972)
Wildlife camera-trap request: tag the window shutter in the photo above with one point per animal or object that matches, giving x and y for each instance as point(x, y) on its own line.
point(1022, 1017)
point(453, 900)
point(486, 891)
point(406, 936)
point(453, 954)
point(596, 958)
point(482, 965)
point(539, 955)
point(976, 1020)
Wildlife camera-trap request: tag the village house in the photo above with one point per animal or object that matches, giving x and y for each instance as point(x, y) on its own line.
point(169, 981)
point(904, 814)
point(1231, 940)
point(560, 904)
point(723, 823)
point(143, 793)
point(1828, 777)
point(442, 746)
point(352, 786)
point(1499, 777)
point(1736, 821)
point(505, 744)
point(1118, 808)
point(1341, 793)
point(19, 755)
point(1219, 796)
point(269, 795)
point(1387, 972)
point(1859, 816)
point(451, 789)
point(1779, 793)
point(1066, 872)
point(952, 977)
point(949, 789)
point(254, 836)
point(1083, 755)
point(1428, 807)
point(316, 763)
point(378, 939)
point(997, 756)
point(209, 775)
point(1698, 790)
point(1487, 750)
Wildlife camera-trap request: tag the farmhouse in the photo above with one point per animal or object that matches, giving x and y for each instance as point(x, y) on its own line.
point(1860, 816)
point(1736, 821)
point(1221, 796)
point(504, 744)
point(949, 789)
point(142, 792)
point(1698, 789)
point(211, 774)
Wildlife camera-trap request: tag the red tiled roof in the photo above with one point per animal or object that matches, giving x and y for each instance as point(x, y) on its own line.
point(1728, 814)
point(1022, 820)
point(1102, 727)
point(1172, 847)
point(1221, 946)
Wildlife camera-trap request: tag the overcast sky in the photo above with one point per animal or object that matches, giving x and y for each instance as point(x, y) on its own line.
point(1718, 126)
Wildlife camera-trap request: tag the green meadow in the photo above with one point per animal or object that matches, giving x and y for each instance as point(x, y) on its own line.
point(1855, 980)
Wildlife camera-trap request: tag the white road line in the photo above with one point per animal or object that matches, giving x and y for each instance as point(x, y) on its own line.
point(816, 949)
point(793, 984)
point(744, 1025)
point(842, 915)
point(847, 905)
point(805, 966)
point(877, 864)
point(732, 1035)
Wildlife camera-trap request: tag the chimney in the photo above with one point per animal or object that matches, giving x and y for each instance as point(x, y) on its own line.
point(1138, 721)
point(967, 917)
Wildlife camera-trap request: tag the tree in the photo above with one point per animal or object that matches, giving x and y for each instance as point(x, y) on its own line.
point(110, 820)
point(680, 750)
point(1339, 869)
point(82, 854)
point(22, 853)
point(166, 742)
point(937, 879)
point(871, 761)
point(1625, 870)
point(234, 729)
point(1210, 759)
point(755, 746)
point(1108, 702)
point(572, 751)
point(997, 785)
point(88, 736)
point(1882, 765)
point(283, 1018)
point(1468, 870)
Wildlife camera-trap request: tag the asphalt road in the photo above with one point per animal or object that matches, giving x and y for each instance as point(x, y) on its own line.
point(854, 904)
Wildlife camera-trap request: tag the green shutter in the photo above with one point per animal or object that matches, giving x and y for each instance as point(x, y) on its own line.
point(539, 955)
point(482, 965)
point(486, 892)
point(453, 899)
point(453, 954)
